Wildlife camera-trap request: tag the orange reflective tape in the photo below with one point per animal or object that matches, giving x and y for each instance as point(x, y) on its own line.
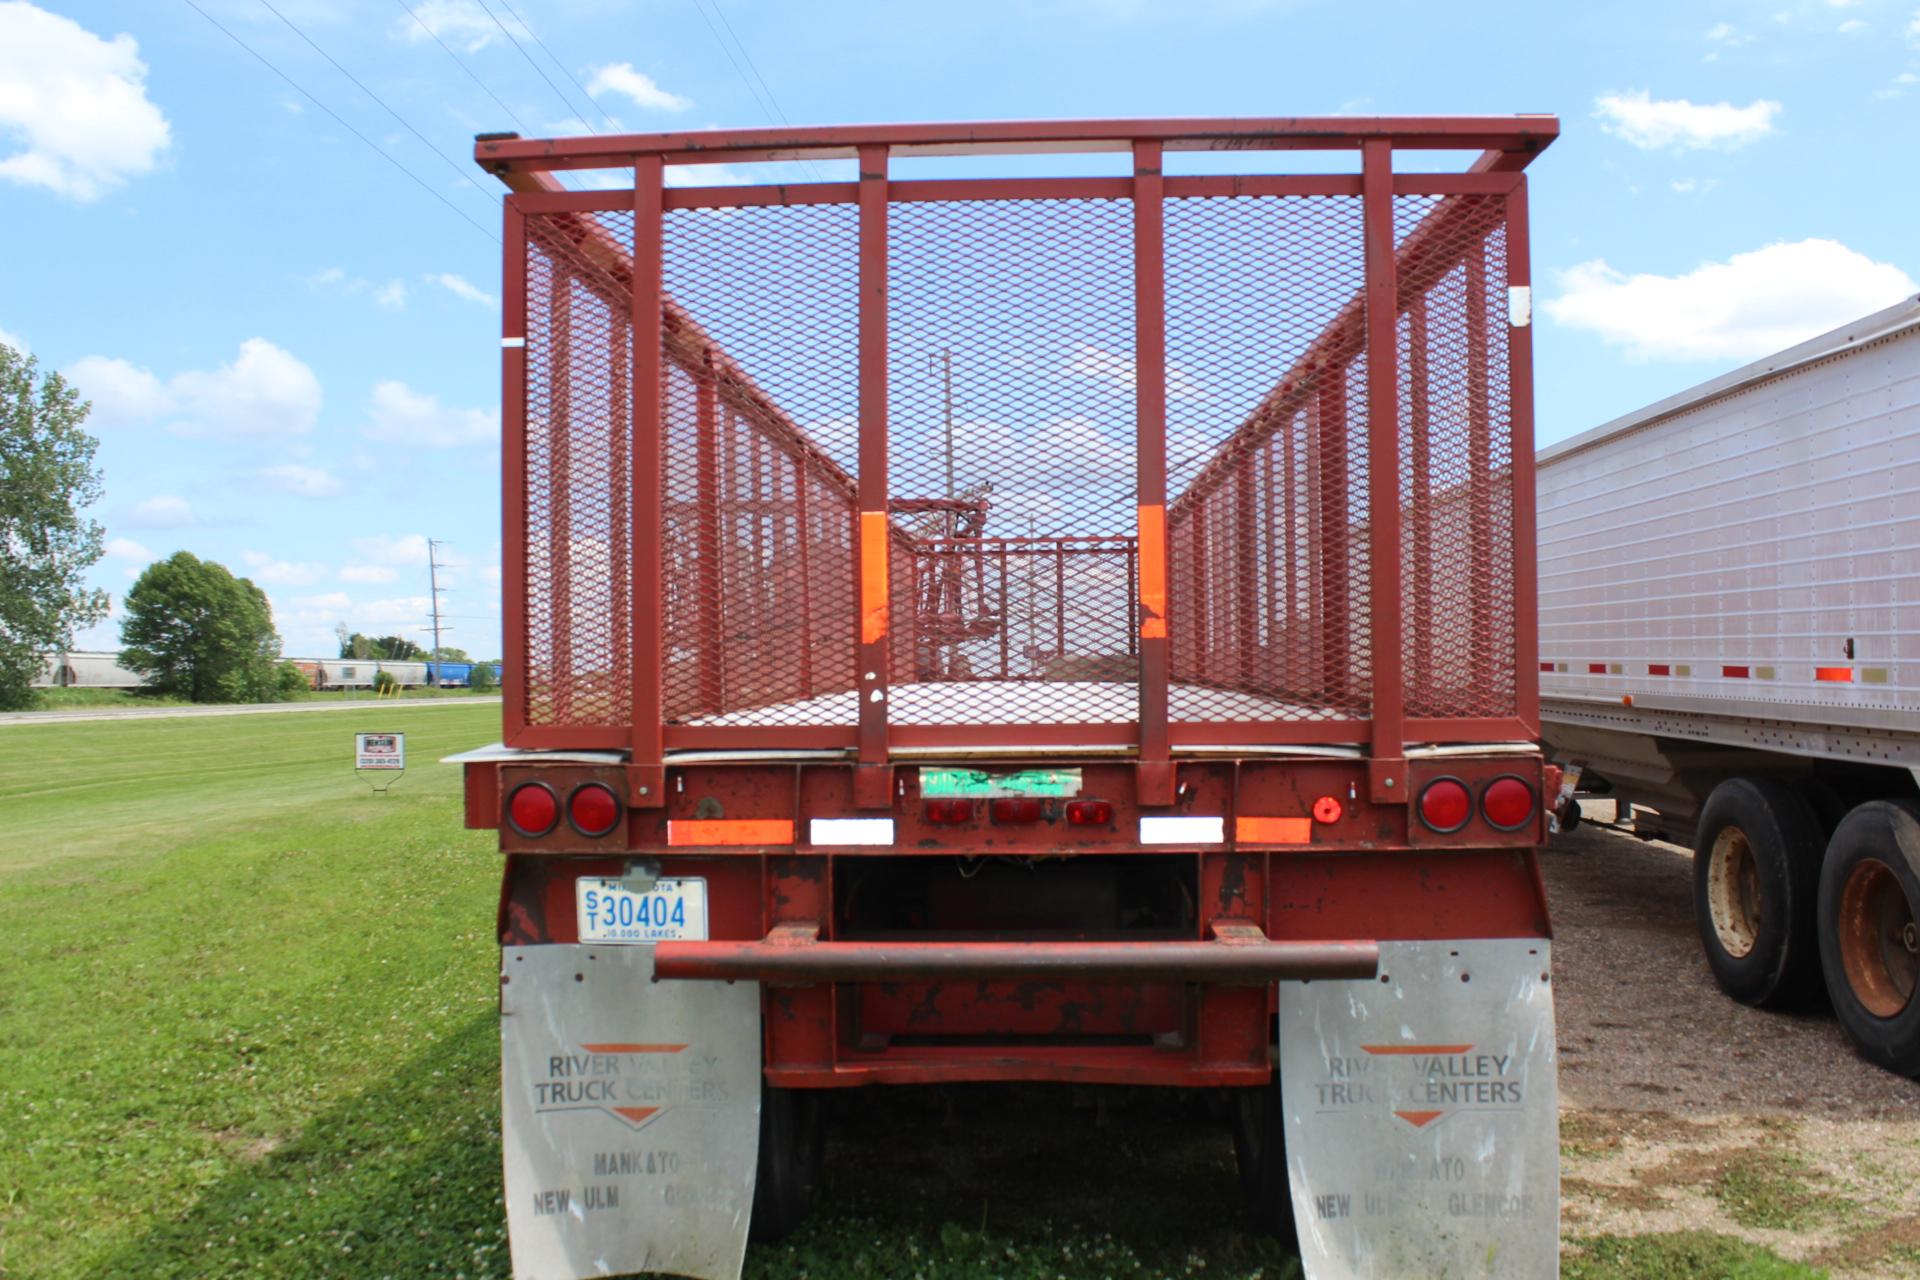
point(1153, 572)
point(1273, 830)
point(875, 533)
point(729, 831)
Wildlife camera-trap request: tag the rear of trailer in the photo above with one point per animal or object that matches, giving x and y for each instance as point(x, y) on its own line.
point(965, 627)
point(1730, 649)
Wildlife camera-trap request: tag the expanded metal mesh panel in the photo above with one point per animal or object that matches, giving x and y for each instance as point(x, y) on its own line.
point(578, 473)
point(1266, 450)
point(762, 385)
point(1011, 419)
point(1456, 457)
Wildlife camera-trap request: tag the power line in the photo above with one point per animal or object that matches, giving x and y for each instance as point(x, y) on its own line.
point(458, 62)
point(769, 105)
point(585, 92)
point(423, 184)
point(522, 50)
point(463, 171)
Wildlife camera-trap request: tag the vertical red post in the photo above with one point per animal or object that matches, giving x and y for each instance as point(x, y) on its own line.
point(1526, 582)
point(1155, 770)
point(1246, 574)
point(873, 785)
point(1420, 509)
point(619, 460)
point(513, 475)
point(646, 775)
point(1387, 767)
point(560, 622)
point(707, 538)
point(803, 531)
point(1332, 524)
point(1480, 471)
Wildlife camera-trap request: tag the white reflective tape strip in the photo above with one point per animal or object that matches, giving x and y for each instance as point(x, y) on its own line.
point(1183, 831)
point(850, 831)
point(1519, 305)
point(513, 342)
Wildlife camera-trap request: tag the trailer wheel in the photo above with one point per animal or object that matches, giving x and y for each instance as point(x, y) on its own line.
point(1756, 867)
point(1870, 931)
point(1260, 1152)
point(790, 1157)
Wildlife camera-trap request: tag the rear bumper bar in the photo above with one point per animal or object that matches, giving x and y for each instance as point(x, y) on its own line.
point(1239, 955)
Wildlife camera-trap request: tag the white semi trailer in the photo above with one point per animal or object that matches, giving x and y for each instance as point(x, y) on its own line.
point(1730, 648)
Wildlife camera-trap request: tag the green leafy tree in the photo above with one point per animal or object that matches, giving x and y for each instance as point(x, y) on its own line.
point(289, 682)
point(198, 632)
point(385, 682)
point(482, 677)
point(46, 547)
point(398, 649)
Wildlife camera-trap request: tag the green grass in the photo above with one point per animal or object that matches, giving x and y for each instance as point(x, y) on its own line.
point(78, 699)
point(248, 1028)
point(1683, 1255)
point(1768, 1189)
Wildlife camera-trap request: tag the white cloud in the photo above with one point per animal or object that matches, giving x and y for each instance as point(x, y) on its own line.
point(308, 482)
point(367, 573)
point(460, 22)
point(1728, 34)
point(127, 549)
point(637, 87)
point(1852, 26)
point(1752, 304)
point(1913, 27)
point(1689, 186)
point(75, 104)
point(162, 511)
point(1901, 85)
point(1680, 125)
point(461, 287)
point(392, 295)
point(1117, 370)
point(702, 175)
point(15, 341)
point(265, 569)
point(408, 550)
point(265, 392)
point(403, 417)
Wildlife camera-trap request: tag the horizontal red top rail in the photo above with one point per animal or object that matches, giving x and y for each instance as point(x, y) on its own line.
point(1517, 138)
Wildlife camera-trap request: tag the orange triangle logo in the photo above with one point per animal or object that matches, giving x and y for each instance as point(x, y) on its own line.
point(637, 1116)
point(1419, 1119)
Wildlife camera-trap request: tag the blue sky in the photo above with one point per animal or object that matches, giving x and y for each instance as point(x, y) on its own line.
point(292, 345)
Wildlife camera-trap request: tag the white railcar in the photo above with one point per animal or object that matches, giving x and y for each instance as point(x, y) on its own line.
point(1730, 647)
point(84, 669)
point(360, 673)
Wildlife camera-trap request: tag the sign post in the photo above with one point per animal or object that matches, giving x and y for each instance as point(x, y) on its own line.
point(381, 756)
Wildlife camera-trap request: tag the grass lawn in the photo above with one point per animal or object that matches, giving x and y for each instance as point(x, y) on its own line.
point(81, 699)
point(247, 1027)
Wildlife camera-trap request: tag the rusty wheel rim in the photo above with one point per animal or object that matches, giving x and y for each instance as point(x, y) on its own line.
point(1733, 892)
point(1879, 942)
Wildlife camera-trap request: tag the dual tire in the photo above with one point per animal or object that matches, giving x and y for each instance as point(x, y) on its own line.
point(1781, 907)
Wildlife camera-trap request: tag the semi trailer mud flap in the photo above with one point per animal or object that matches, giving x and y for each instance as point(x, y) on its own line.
point(631, 1114)
point(1422, 1115)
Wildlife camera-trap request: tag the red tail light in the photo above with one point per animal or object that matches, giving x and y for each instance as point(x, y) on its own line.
point(533, 809)
point(593, 810)
point(1508, 803)
point(949, 811)
point(1327, 809)
point(1089, 813)
point(1016, 809)
point(1446, 805)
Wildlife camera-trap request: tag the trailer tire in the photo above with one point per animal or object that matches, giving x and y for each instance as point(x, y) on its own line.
point(1260, 1152)
point(1869, 938)
point(1756, 874)
point(790, 1158)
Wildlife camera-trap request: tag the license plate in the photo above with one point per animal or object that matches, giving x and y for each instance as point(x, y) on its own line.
point(671, 911)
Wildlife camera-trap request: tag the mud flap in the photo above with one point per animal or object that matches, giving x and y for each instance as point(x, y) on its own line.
point(1422, 1114)
point(631, 1114)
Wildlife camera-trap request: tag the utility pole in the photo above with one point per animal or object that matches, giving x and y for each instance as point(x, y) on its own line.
point(433, 587)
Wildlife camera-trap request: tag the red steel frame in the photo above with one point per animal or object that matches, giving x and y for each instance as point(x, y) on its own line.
point(1504, 144)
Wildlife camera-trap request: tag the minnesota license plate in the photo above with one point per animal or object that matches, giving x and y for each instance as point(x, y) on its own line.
point(671, 911)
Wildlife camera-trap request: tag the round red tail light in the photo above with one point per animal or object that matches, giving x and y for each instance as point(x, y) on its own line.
point(1508, 803)
point(593, 810)
point(1446, 805)
point(533, 809)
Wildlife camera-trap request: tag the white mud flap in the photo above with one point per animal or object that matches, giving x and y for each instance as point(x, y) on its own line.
point(1422, 1116)
point(631, 1112)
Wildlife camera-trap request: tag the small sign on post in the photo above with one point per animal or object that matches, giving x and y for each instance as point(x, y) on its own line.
point(381, 756)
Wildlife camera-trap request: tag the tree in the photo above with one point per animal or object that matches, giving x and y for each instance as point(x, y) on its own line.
point(198, 632)
point(482, 678)
point(398, 649)
point(380, 649)
point(46, 547)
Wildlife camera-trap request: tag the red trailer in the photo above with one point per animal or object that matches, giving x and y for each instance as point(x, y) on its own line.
point(970, 627)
